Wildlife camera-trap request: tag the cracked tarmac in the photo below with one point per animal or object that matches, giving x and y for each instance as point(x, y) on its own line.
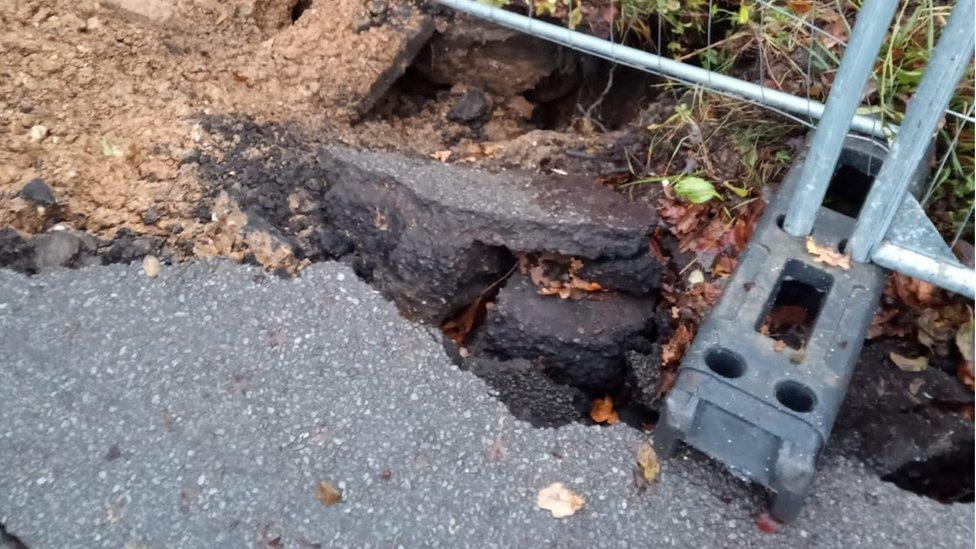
point(201, 408)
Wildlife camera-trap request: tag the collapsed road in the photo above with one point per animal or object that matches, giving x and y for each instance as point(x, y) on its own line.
point(203, 407)
point(221, 404)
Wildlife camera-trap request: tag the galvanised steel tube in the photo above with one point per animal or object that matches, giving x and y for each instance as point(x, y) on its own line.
point(946, 66)
point(955, 278)
point(650, 62)
point(845, 96)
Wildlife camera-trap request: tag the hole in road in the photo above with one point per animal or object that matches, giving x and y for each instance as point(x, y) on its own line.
point(725, 363)
point(795, 396)
point(792, 311)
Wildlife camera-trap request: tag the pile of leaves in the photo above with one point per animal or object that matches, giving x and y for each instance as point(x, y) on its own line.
point(938, 324)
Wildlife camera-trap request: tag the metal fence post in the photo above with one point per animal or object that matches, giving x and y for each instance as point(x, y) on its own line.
point(945, 68)
point(845, 96)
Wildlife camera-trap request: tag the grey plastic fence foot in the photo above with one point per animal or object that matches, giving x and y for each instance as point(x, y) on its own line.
point(793, 476)
point(787, 506)
point(677, 416)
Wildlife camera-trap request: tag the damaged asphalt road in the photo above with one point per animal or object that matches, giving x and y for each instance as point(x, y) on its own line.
point(203, 407)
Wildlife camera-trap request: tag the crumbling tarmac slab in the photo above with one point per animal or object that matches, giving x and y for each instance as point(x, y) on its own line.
point(582, 342)
point(433, 236)
point(201, 409)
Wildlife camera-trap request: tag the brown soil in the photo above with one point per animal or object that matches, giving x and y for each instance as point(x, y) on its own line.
point(106, 106)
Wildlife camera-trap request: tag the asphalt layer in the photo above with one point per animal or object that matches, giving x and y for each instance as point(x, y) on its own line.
point(201, 408)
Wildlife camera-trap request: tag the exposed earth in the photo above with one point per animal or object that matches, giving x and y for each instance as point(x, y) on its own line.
point(481, 181)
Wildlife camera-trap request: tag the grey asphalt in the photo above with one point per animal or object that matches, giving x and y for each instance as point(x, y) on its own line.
point(199, 409)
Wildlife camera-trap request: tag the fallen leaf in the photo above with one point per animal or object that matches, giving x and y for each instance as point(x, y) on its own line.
point(964, 341)
point(327, 493)
point(650, 465)
point(603, 412)
point(459, 327)
point(695, 190)
point(559, 500)
point(906, 364)
point(828, 256)
point(441, 155)
point(800, 7)
point(937, 329)
point(723, 266)
point(150, 266)
point(675, 348)
point(913, 292)
point(585, 285)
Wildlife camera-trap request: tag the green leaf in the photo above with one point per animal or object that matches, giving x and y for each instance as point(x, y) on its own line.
point(743, 13)
point(695, 190)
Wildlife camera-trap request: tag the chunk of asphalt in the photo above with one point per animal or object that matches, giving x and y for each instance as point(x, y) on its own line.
point(643, 377)
point(581, 342)
point(529, 393)
point(437, 234)
point(38, 192)
point(639, 275)
point(128, 247)
point(55, 249)
point(231, 395)
point(15, 252)
point(470, 107)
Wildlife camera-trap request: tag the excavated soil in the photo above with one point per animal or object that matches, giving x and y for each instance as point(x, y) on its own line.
point(110, 108)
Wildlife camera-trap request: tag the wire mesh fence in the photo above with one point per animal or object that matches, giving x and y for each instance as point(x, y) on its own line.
point(791, 48)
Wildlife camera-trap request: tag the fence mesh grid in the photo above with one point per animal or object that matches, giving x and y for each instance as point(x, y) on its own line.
point(795, 46)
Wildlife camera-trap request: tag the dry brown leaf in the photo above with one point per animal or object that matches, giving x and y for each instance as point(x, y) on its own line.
point(459, 327)
point(828, 256)
point(913, 292)
point(559, 500)
point(650, 465)
point(906, 364)
point(675, 348)
point(603, 412)
point(584, 285)
point(150, 266)
point(327, 493)
point(800, 7)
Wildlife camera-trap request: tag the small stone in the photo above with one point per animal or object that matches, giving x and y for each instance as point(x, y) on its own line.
point(471, 107)
point(150, 216)
point(38, 133)
point(92, 23)
point(150, 266)
point(38, 192)
point(55, 249)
